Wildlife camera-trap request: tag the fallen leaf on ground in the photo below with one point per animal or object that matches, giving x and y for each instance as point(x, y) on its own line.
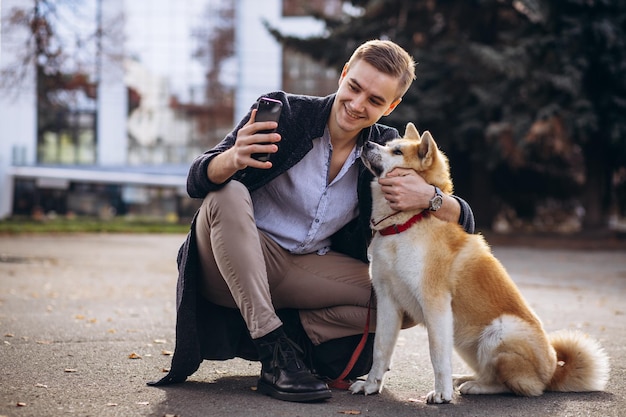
point(21, 404)
point(143, 403)
point(134, 356)
point(350, 412)
point(41, 386)
point(160, 341)
point(167, 352)
point(111, 404)
point(70, 370)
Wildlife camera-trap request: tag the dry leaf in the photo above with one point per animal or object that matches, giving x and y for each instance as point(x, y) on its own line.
point(111, 404)
point(166, 370)
point(41, 386)
point(79, 317)
point(143, 403)
point(9, 335)
point(134, 356)
point(21, 404)
point(44, 342)
point(167, 352)
point(350, 412)
point(160, 341)
point(70, 370)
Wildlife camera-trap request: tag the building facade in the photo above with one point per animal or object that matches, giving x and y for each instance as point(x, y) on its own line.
point(128, 152)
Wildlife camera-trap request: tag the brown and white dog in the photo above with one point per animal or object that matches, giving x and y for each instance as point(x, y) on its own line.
point(449, 280)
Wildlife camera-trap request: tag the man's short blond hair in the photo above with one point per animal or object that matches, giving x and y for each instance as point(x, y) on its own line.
point(388, 58)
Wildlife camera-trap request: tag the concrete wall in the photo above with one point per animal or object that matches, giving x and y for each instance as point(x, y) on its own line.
point(112, 98)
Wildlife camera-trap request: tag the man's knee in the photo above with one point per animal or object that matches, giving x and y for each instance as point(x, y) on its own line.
point(232, 198)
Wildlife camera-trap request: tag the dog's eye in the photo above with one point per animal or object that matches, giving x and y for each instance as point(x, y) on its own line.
point(397, 151)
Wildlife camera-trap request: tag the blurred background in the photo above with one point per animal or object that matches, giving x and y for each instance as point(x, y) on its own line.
point(104, 104)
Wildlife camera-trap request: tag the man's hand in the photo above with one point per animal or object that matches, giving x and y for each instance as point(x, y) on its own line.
point(406, 190)
point(248, 142)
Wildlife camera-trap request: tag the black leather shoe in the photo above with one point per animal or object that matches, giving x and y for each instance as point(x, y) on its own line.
point(283, 373)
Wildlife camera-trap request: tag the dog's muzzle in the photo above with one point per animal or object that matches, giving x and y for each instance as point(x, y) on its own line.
point(371, 158)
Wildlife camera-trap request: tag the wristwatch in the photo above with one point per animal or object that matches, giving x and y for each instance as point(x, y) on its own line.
point(436, 201)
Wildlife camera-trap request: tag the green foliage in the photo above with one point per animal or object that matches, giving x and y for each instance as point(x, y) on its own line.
point(531, 91)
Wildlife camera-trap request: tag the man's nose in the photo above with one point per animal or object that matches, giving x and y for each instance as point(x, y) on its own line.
point(358, 103)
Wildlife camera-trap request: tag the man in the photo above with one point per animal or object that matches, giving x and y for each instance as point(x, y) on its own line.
point(290, 234)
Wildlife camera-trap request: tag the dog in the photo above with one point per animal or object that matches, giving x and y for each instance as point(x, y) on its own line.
point(449, 281)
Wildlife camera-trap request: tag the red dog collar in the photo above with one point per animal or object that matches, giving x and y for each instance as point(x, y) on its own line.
point(394, 229)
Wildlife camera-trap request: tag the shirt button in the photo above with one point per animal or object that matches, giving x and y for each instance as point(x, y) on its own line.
point(317, 220)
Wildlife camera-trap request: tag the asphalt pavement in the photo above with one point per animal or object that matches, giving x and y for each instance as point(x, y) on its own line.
point(87, 319)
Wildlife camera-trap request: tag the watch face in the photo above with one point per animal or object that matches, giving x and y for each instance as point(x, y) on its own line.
point(436, 202)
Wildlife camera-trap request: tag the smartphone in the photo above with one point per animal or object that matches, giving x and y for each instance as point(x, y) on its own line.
point(268, 109)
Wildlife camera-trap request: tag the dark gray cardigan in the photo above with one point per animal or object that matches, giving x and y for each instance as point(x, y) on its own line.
point(207, 331)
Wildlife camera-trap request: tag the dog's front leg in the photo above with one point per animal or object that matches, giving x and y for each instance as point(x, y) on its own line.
point(388, 322)
point(439, 323)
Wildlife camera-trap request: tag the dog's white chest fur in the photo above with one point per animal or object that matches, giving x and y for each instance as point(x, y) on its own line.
point(398, 270)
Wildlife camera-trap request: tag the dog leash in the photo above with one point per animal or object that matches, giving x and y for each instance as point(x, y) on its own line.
point(340, 382)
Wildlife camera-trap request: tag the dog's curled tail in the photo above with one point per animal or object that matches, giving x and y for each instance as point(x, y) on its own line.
point(582, 364)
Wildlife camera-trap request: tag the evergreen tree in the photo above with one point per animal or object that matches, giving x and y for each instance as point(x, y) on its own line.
point(527, 97)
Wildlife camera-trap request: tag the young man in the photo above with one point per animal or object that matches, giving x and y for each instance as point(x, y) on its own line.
point(280, 246)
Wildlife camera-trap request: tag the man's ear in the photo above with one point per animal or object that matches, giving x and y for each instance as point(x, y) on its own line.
point(392, 106)
point(344, 72)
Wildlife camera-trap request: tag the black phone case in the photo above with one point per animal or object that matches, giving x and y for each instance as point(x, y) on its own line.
point(267, 110)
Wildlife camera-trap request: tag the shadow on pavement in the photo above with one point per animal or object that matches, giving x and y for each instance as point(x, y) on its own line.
point(235, 396)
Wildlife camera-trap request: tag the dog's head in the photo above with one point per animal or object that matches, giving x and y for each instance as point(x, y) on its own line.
point(413, 151)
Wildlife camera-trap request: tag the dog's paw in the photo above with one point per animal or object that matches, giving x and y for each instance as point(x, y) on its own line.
point(458, 380)
point(365, 387)
point(471, 387)
point(435, 397)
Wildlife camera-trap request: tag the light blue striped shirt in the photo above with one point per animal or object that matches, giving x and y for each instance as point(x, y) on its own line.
point(300, 210)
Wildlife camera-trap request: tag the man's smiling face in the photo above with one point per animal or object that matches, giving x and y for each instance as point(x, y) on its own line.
point(363, 97)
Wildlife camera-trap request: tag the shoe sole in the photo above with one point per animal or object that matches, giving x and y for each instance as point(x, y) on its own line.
point(300, 397)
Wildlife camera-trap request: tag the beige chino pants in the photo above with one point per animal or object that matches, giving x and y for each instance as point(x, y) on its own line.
point(245, 269)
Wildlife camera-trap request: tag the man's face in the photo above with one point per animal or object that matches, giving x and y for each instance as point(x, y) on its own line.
point(364, 96)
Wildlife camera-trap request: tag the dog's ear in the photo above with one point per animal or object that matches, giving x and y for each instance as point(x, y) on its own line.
point(426, 148)
point(411, 132)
